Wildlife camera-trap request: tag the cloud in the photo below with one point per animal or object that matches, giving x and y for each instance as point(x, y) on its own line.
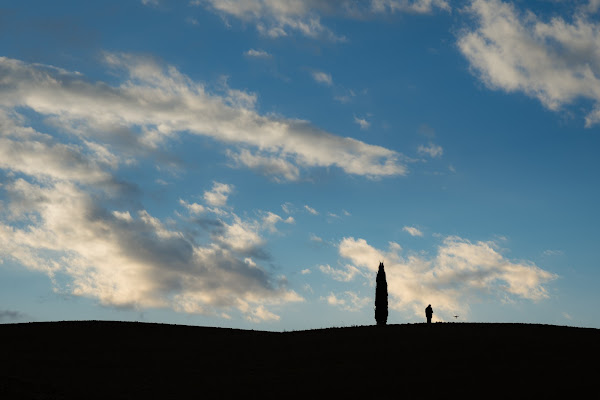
point(136, 261)
point(288, 207)
point(322, 77)
point(282, 18)
point(550, 252)
point(592, 6)
point(314, 238)
point(412, 231)
point(311, 210)
point(343, 275)
point(415, 6)
point(257, 53)
point(279, 169)
point(431, 149)
point(57, 220)
point(271, 219)
point(218, 195)
point(193, 208)
point(459, 273)
point(276, 18)
point(27, 151)
point(348, 301)
point(363, 123)
point(346, 97)
point(156, 104)
point(556, 62)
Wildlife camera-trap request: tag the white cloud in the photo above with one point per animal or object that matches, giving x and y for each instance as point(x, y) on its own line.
point(348, 301)
point(240, 236)
point(334, 301)
point(24, 150)
point(277, 18)
point(287, 207)
point(431, 149)
point(343, 275)
point(257, 53)
point(553, 252)
point(412, 231)
point(363, 123)
point(262, 314)
point(124, 215)
point(322, 77)
point(218, 195)
point(346, 96)
point(271, 219)
point(157, 103)
point(193, 208)
point(282, 18)
point(311, 210)
point(305, 271)
point(314, 238)
point(460, 273)
point(414, 6)
point(53, 220)
point(277, 168)
point(592, 6)
point(128, 261)
point(556, 61)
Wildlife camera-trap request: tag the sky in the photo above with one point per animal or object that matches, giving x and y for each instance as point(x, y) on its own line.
point(248, 164)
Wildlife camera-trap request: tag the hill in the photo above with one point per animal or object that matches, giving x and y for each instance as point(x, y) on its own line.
point(103, 359)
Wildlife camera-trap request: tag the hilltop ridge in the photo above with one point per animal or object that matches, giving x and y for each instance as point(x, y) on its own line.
point(143, 360)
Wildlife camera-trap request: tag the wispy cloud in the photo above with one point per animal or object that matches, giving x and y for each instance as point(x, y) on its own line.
point(408, 6)
point(315, 238)
point(311, 210)
point(157, 103)
point(362, 122)
point(322, 77)
point(277, 168)
point(431, 149)
point(345, 274)
point(276, 19)
point(412, 231)
point(282, 18)
point(257, 53)
point(348, 301)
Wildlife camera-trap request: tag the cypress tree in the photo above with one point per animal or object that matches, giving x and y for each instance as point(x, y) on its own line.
point(381, 297)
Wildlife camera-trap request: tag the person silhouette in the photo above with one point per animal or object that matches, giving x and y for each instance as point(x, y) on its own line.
point(429, 313)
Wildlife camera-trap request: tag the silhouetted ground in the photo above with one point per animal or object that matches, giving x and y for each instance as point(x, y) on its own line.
point(95, 359)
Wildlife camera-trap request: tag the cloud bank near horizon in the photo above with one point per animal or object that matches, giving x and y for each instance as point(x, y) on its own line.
point(460, 273)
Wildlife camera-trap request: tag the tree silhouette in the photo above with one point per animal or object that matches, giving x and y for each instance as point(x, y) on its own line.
point(381, 297)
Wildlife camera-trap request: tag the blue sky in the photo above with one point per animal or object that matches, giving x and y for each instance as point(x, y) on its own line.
point(249, 163)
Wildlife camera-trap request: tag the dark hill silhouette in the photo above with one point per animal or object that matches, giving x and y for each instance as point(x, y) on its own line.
point(95, 359)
